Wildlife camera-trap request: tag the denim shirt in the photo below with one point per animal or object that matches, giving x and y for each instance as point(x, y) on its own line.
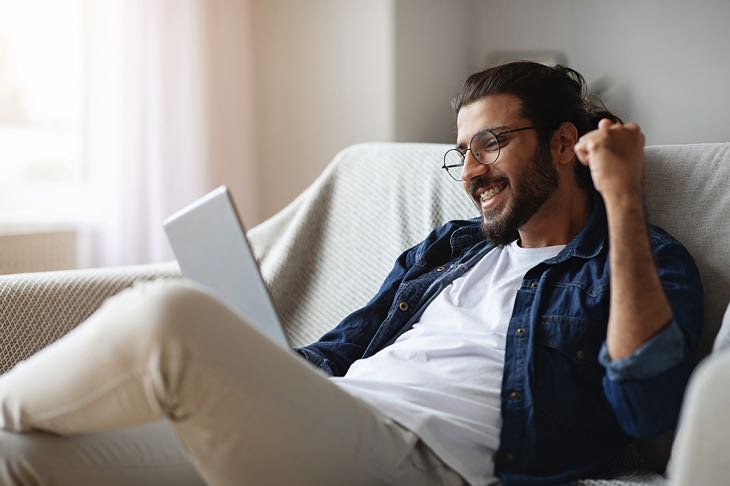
point(567, 408)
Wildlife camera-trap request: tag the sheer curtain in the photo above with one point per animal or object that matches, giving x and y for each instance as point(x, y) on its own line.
point(170, 116)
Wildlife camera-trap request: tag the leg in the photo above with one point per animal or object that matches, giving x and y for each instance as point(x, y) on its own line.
point(245, 410)
point(148, 456)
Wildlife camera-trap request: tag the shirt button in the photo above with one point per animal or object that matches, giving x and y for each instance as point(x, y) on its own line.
point(514, 395)
point(403, 306)
point(508, 456)
point(520, 331)
point(440, 269)
point(580, 354)
point(533, 285)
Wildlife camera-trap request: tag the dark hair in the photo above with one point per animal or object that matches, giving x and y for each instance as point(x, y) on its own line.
point(550, 95)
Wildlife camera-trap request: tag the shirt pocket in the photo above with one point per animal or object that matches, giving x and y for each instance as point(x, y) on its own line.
point(567, 376)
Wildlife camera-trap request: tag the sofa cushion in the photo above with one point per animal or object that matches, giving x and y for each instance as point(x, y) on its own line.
point(687, 191)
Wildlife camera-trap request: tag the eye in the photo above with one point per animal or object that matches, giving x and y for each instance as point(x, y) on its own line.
point(485, 142)
point(491, 145)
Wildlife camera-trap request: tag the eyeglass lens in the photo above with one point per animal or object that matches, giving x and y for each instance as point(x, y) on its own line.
point(484, 147)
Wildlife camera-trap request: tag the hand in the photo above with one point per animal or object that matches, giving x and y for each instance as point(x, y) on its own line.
point(615, 155)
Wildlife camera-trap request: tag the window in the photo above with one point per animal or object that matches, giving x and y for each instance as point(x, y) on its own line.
point(42, 109)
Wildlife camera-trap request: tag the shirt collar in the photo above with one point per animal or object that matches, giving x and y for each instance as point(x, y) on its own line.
point(588, 243)
point(590, 240)
point(468, 235)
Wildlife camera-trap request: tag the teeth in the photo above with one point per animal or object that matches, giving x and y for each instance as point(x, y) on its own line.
point(489, 194)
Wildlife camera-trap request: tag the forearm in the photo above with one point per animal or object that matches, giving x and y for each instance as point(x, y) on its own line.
point(638, 307)
point(648, 351)
point(650, 271)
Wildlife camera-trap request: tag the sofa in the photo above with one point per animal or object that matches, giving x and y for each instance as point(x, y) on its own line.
point(327, 252)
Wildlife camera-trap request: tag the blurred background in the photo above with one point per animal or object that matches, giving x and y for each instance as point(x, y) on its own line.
point(116, 113)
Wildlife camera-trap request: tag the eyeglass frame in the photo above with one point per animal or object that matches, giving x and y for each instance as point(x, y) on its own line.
point(468, 149)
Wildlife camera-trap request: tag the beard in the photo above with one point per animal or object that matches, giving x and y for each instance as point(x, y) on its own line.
point(529, 192)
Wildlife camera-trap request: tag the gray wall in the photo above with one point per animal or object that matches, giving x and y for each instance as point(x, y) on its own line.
point(668, 61)
point(324, 75)
point(433, 51)
point(330, 73)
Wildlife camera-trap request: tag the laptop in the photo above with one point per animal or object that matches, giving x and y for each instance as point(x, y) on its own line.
point(210, 244)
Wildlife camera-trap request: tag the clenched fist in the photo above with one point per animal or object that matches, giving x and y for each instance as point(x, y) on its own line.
point(614, 153)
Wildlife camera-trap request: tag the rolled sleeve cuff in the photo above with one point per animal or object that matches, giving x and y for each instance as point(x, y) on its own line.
point(660, 353)
point(315, 359)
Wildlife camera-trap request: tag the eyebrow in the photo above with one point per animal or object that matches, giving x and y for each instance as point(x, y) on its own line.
point(495, 129)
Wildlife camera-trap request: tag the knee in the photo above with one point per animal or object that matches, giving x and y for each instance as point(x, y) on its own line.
point(168, 301)
point(164, 309)
point(167, 323)
point(157, 313)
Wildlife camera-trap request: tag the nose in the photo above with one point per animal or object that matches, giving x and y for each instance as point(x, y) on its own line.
point(473, 168)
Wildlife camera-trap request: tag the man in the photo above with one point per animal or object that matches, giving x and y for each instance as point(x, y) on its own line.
point(527, 345)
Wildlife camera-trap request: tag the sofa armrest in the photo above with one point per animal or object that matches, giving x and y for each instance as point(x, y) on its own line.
point(699, 455)
point(38, 308)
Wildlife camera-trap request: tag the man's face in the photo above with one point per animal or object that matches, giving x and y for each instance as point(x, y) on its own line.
point(509, 192)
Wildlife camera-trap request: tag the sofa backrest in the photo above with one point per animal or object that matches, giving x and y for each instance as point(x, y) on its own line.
point(325, 254)
point(688, 194)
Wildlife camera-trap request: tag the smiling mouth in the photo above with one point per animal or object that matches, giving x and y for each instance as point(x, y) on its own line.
point(491, 192)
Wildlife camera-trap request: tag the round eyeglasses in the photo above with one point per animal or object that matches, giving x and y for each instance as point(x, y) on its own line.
point(484, 147)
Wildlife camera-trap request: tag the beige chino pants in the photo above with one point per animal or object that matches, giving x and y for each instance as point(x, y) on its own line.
point(244, 410)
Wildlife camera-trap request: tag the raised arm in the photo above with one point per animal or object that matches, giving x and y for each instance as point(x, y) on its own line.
point(655, 313)
point(639, 307)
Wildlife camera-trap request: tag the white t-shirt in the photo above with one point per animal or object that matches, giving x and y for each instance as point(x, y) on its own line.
point(442, 378)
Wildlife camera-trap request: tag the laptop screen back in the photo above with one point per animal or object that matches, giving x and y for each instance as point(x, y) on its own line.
point(209, 242)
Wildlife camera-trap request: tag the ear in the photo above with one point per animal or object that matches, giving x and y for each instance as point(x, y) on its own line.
point(562, 143)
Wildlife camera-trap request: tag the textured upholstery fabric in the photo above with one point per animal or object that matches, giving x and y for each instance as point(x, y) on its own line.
point(326, 253)
point(688, 194)
point(38, 308)
point(338, 240)
point(635, 478)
